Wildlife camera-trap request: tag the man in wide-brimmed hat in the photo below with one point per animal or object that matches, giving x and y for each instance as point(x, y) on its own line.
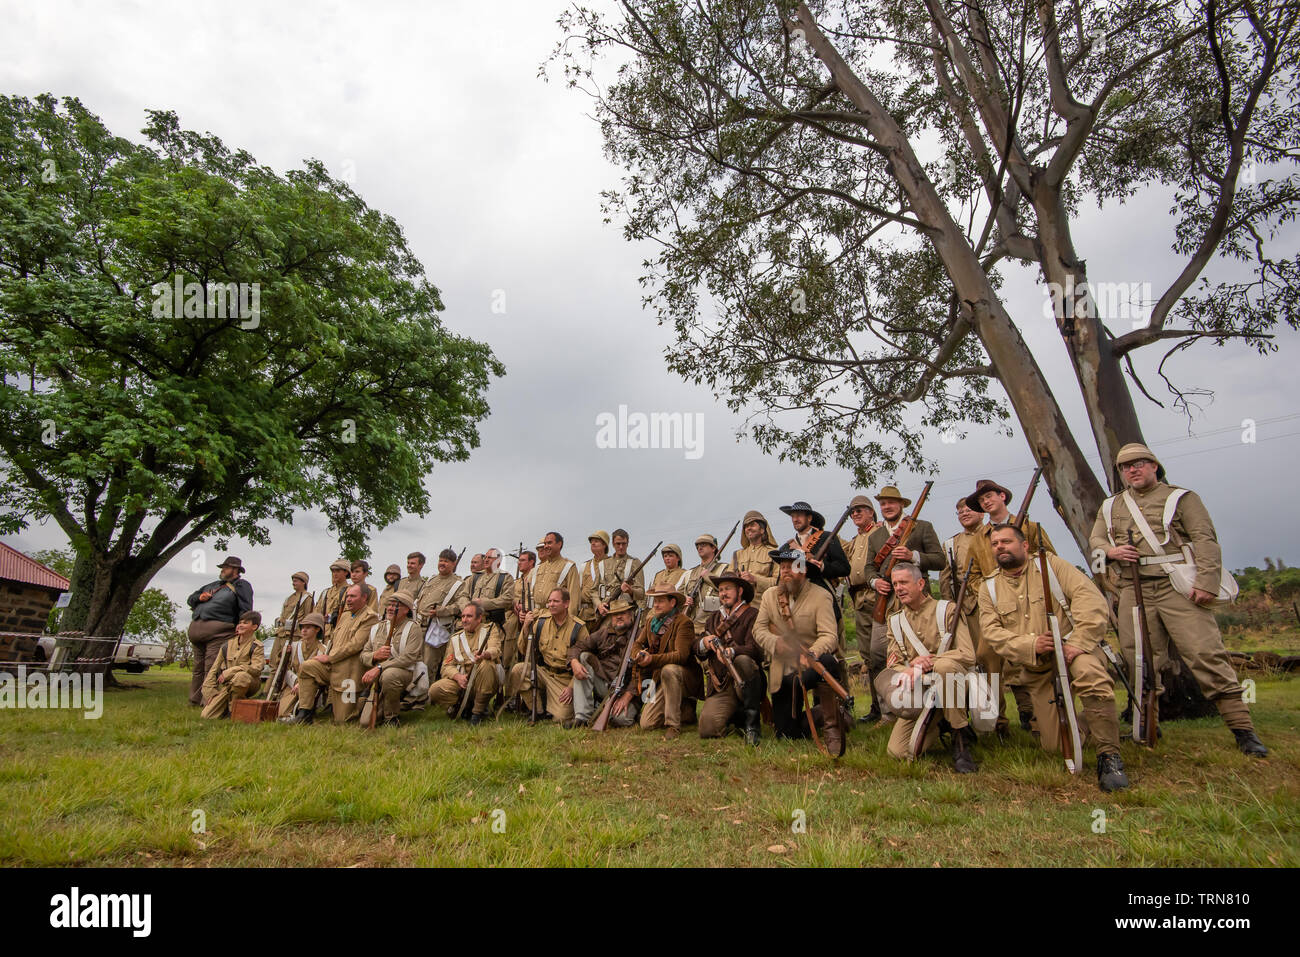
point(217, 607)
point(992, 499)
point(661, 653)
point(392, 655)
point(728, 637)
point(595, 662)
point(752, 561)
point(1182, 574)
point(796, 623)
point(809, 535)
point(922, 549)
point(701, 596)
point(298, 604)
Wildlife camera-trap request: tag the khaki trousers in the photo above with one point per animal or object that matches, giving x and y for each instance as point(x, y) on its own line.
point(908, 709)
point(549, 688)
point(675, 684)
point(207, 639)
point(217, 697)
point(719, 706)
point(316, 675)
point(1093, 685)
point(1191, 629)
point(392, 682)
point(446, 692)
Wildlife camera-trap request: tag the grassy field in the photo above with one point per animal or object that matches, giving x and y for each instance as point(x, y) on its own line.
point(131, 788)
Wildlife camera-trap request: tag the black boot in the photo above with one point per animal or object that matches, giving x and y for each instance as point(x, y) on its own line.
point(874, 715)
point(751, 697)
point(1026, 721)
point(962, 762)
point(301, 716)
point(475, 718)
point(1110, 773)
point(1249, 743)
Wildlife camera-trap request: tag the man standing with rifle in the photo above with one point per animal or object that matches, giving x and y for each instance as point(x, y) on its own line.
point(701, 595)
point(926, 637)
point(898, 538)
point(331, 600)
point(861, 594)
point(526, 561)
point(440, 600)
point(822, 550)
point(1018, 624)
point(796, 628)
point(298, 604)
point(625, 576)
point(733, 659)
point(992, 499)
point(753, 562)
point(1181, 569)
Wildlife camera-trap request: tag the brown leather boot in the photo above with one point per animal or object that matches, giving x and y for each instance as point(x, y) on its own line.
point(832, 727)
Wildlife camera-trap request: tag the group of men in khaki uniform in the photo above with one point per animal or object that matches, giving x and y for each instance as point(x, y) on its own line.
point(551, 641)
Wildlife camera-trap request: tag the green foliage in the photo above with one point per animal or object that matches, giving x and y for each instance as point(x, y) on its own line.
point(152, 617)
point(140, 432)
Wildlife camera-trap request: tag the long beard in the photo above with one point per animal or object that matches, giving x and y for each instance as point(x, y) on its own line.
point(791, 589)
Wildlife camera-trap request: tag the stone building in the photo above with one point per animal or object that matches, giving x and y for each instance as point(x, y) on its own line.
point(28, 590)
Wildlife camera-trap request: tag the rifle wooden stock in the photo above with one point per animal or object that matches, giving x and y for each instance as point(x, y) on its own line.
point(1067, 723)
point(1029, 496)
point(839, 689)
point(885, 560)
point(1146, 708)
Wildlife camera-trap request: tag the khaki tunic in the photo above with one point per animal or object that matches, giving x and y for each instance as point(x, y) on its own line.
point(448, 592)
point(482, 588)
point(557, 572)
point(446, 691)
point(986, 564)
point(242, 661)
point(675, 577)
point(299, 652)
point(601, 581)
point(756, 560)
point(553, 644)
point(1173, 618)
point(343, 672)
point(813, 618)
point(411, 584)
point(330, 603)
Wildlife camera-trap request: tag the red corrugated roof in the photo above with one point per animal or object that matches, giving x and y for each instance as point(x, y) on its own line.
point(17, 567)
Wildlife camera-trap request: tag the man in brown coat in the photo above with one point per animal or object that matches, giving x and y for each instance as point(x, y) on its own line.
point(1178, 532)
point(796, 624)
point(728, 638)
point(595, 661)
point(664, 673)
point(393, 651)
point(340, 667)
point(237, 672)
point(959, 552)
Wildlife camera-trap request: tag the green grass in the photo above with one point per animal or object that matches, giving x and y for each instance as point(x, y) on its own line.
point(124, 790)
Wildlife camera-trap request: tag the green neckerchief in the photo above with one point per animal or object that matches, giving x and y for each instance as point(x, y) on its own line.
point(657, 624)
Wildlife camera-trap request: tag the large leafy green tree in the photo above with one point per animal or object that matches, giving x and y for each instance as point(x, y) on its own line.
point(838, 191)
point(143, 424)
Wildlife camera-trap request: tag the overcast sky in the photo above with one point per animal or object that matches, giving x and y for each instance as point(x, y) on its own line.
point(436, 113)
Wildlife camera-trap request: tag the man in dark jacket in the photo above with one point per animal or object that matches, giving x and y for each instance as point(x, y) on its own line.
point(217, 608)
point(595, 661)
point(728, 637)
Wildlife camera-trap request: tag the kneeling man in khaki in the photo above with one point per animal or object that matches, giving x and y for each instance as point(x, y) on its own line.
point(393, 652)
point(922, 641)
point(472, 656)
point(340, 667)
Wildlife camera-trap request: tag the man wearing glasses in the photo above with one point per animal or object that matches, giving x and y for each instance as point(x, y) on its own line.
point(1181, 570)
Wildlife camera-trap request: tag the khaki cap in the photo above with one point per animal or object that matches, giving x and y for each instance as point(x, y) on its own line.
point(341, 564)
point(393, 568)
point(315, 618)
point(891, 491)
point(622, 604)
point(302, 575)
point(707, 539)
point(402, 598)
point(863, 501)
point(670, 547)
point(1134, 451)
point(601, 534)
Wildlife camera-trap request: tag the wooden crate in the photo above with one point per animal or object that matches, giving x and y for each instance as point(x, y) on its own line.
point(253, 710)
